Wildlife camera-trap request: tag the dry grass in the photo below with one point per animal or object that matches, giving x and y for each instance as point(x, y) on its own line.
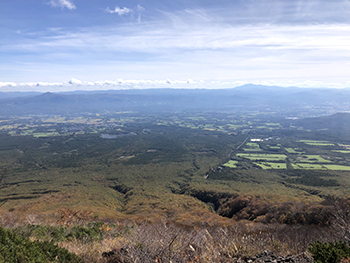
point(164, 242)
point(92, 252)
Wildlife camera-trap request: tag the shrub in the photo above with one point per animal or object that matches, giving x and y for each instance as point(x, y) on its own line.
point(85, 233)
point(329, 252)
point(15, 248)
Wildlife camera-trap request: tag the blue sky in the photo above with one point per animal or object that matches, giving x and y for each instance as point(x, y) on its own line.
point(92, 44)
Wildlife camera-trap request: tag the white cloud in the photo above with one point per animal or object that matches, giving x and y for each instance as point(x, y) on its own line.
point(210, 44)
point(119, 11)
point(140, 8)
point(75, 84)
point(212, 38)
point(234, 53)
point(8, 84)
point(74, 81)
point(63, 4)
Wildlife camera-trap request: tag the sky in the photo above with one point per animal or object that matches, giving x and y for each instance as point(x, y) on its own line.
point(51, 45)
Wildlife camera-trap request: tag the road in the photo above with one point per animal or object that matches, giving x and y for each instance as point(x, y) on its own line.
point(235, 150)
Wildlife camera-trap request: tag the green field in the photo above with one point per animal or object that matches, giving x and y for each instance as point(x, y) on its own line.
point(267, 157)
point(252, 150)
point(231, 164)
point(308, 166)
point(291, 150)
point(337, 167)
point(270, 165)
point(253, 145)
point(313, 159)
point(316, 143)
point(47, 134)
point(320, 144)
point(275, 147)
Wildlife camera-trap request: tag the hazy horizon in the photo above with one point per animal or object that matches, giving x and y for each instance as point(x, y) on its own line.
point(119, 85)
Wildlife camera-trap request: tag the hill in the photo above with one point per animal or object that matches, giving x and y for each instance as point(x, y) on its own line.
point(339, 123)
point(242, 99)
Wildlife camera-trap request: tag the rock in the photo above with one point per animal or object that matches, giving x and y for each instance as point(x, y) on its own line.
point(120, 255)
point(109, 254)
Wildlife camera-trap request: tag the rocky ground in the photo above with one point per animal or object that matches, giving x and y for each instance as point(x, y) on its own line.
point(264, 257)
point(268, 256)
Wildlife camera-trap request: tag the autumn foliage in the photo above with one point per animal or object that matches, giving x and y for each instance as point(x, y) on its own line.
point(255, 209)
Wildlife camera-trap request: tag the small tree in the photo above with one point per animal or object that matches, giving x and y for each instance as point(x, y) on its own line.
point(329, 252)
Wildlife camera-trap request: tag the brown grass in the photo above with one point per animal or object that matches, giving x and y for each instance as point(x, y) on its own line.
point(188, 240)
point(166, 242)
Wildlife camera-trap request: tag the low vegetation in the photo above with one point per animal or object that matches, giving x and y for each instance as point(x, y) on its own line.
point(201, 188)
point(16, 248)
point(162, 241)
point(329, 252)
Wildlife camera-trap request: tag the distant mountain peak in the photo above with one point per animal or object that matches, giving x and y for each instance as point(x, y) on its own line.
point(52, 97)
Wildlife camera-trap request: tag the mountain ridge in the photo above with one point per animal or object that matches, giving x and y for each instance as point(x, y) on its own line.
point(243, 98)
